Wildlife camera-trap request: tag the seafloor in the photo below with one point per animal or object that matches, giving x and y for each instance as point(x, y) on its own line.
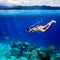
point(27, 51)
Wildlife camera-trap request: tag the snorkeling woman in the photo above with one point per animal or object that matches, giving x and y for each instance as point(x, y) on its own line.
point(42, 28)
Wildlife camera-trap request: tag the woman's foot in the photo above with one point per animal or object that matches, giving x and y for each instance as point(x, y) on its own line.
point(53, 21)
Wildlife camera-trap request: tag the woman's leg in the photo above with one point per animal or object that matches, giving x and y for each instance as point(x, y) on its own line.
point(49, 24)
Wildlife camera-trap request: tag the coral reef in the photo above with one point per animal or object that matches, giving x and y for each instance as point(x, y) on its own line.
point(27, 51)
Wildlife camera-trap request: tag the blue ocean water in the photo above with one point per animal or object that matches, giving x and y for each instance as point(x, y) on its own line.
point(14, 25)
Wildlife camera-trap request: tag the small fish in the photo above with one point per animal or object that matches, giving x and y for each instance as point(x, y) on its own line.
point(6, 38)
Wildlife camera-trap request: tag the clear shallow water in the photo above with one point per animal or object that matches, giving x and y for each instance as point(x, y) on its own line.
point(14, 25)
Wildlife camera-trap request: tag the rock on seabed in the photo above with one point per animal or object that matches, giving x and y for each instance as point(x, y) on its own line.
point(27, 51)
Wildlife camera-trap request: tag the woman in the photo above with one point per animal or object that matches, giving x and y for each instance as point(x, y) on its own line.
point(42, 28)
